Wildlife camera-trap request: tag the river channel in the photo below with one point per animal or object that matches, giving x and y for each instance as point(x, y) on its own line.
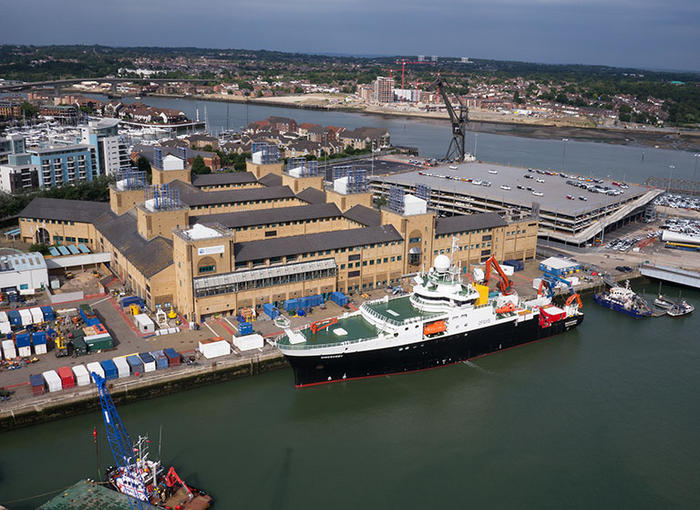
point(605, 416)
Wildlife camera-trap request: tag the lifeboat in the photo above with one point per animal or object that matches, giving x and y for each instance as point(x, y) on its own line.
point(510, 307)
point(434, 328)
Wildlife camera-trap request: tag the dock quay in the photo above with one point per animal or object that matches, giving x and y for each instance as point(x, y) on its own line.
point(88, 494)
point(671, 274)
point(24, 412)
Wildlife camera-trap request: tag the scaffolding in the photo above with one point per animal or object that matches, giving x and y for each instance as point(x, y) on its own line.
point(302, 167)
point(396, 196)
point(357, 178)
point(424, 192)
point(265, 153)
point(182, 151)
point(161, 197)
point(128, 179)
point(158, 157)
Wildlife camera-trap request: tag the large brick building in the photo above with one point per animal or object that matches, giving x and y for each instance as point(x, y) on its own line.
point(244, 239)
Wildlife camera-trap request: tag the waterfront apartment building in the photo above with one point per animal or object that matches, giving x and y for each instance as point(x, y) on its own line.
point(262, 237)
point(13, 144)
point(64, 164)
point(111, 151)
point(18, 174)
point(383, 90)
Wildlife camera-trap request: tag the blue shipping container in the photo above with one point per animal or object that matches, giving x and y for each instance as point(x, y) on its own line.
point(135, 364)
point(111, 371)
point(245, 328)
point(146, 357)
point(39, 338)
point(161, 359)
point(131, 300)
point(48, 313)
point(271, 310)
point(15, 318)
point(23, 340)
point(171, 354)
point(36, 380)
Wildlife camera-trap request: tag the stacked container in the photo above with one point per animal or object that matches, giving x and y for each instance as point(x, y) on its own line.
point(96, 368)
point(67, 378)
point(8, 349)
point(173, 357)
point(53, 381)
point(149, 363)
point(48, 313)
point(135, 364)
point(79, 346)
point(39, 341)
point(245, 328)
point(161, 360)
point(123, 368)
point(5, 326)
point(37, 315)
point(24, 345)
point(82, 377)
point(37, 383)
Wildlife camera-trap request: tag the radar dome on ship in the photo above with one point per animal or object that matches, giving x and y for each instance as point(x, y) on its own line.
point(442, 263)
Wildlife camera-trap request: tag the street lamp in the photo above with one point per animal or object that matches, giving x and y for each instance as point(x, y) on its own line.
point(695, 174)
point(563, 154)
point(670, 169)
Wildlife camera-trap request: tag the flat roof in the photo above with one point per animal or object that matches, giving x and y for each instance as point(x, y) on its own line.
point(451, 179)
point(295, 245)
point(64, 210)
point(268, 216)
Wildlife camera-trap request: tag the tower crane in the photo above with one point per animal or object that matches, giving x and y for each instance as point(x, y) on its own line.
point(403, 62)
point(122, 449)
point(458, 118)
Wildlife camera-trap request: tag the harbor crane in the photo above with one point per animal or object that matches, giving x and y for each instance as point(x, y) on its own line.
point(506, 284)
point(403, 62)
point(122, 448)
point(458, 118)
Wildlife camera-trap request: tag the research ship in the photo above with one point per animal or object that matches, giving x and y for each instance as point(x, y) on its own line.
point(441, 322)
point(624, 299)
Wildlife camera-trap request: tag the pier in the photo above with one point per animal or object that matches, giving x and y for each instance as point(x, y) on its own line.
point(671, 274)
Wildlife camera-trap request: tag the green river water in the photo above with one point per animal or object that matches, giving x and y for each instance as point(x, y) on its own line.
point(606, 416)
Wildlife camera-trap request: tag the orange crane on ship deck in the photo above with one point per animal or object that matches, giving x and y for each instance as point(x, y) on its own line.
point(506, 284)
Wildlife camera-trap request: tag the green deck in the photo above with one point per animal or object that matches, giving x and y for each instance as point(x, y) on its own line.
point(356, 327)
point(398, 310)
point(86, 495)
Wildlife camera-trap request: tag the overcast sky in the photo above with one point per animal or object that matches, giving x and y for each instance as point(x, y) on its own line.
point(642, 33)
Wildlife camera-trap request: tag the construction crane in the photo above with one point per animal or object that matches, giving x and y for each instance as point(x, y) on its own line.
point(455, 151)
point(505, 285)
point(403, 62)
point(122, 448)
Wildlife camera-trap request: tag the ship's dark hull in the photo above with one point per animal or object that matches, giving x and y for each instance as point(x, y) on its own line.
point(430, 353)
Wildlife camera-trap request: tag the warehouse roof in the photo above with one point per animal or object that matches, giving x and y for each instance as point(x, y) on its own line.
point(61, 209)
point(364, 215)
point(312, 196)
point(295, 245)
point(271, 180)
point(469, 222)
point(149, 257)
point(268, 216)
point(223, 178)
point(192, 196)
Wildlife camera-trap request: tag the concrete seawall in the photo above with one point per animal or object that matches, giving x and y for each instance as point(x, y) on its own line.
point(52, 406)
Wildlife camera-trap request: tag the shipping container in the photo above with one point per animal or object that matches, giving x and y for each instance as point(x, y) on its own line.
point(109, 369)
point(518, 265)
point(15, 318)
point(173, 356)
point(8, 349)
point(339, 298)
point(23, 341)
point(214, 348)
point(26, 317)
point(5, 328)
point(95, 367)
point(39, 342)
point(161, 360)
point(149, 364)
point(79, 346)
point(144, 323)
point(4, 317)
point(132, 300)
point(48, 313)
point(135, 364)
point(37, 383)
point(67, 377)
point(248, 342)
point(82, 377)
point(123, 367)
point(37, 315)
point(52, 380)
point(99, 342)
point(245, 328)
point(271, 310)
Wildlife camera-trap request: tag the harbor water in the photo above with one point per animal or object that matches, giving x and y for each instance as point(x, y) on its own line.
point(596, 158)
point(605, 416)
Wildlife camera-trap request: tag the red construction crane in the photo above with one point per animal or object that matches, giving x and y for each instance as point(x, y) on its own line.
point(403, 62)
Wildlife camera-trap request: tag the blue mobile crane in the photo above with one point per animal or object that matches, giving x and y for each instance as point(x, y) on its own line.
point(132, 484)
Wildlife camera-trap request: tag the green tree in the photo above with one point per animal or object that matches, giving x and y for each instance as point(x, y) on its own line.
point(40, 247)
point(29, 110)
point(298, 90)
point(516, 98)
point(198, 166)
point(144, 166)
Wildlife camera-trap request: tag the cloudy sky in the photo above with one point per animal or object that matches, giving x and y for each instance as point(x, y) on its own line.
point(642, 33)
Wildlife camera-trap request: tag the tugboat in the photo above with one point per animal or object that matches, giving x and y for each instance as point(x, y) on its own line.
point(625, 300)
point(442, 322)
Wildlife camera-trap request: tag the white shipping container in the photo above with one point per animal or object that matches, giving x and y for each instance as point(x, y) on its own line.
point(215, 349)
point(5, 328)
point(249, 342)
point(144, 323)
point(96, 368)
point(25, 352)
point(26, 316)
point(37, 315)
point(148, 366)
point(4, 317)
point(40, 349)
point(8, 349)
point(122, 367)
point(53, 381)
point(508, 270)
point(82, 377)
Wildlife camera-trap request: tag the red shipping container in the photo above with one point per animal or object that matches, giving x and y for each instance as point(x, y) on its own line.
point(67, 377)
point(37, 382)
